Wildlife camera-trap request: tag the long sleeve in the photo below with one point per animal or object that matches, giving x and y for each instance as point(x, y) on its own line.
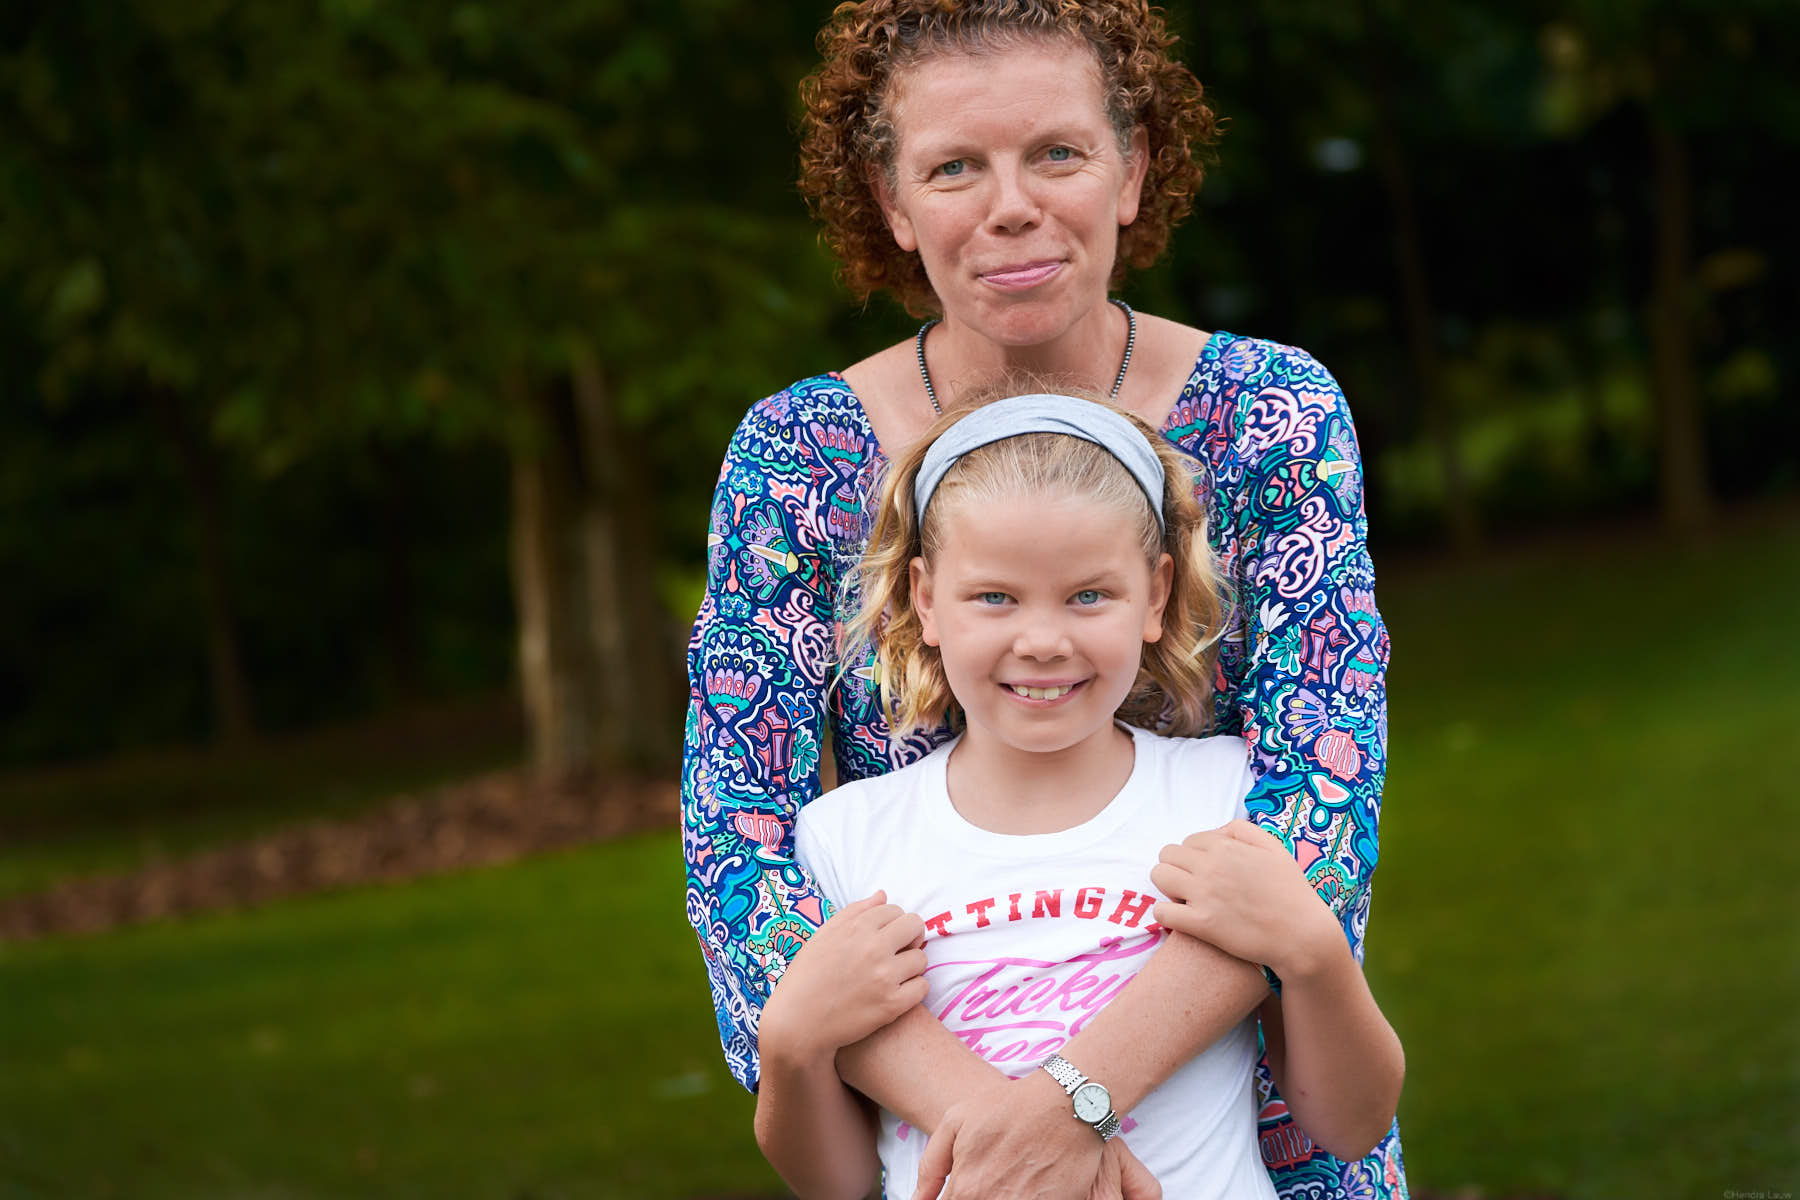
point(1308, 672)
point(758, 664)
point(1302, 669)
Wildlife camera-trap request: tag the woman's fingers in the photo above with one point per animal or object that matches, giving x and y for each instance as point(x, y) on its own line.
point(934, 1164)
point(1135, 1179)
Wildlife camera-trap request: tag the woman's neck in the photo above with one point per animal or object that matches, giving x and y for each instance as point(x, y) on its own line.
point(1004, 789)
point(1088, 352)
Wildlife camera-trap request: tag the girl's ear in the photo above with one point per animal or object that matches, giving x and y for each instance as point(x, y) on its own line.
point(923, 602)
point(1162, 578)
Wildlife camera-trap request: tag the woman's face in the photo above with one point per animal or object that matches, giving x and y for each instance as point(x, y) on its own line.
point(1010, 184)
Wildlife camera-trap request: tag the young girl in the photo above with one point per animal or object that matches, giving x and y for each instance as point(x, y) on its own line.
point(1039, 573)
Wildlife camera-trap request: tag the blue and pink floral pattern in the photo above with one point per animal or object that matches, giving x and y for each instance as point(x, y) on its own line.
point(1300, 672)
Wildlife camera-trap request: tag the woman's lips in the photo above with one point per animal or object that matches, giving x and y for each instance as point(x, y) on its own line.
point(1025, 275)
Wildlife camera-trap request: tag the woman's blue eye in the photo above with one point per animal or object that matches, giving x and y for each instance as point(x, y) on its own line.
point(1088, 596)
point(952, 168)
point(1060, 154)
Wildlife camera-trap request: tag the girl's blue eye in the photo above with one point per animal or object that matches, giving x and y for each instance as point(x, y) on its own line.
point(1087, 596)
point(992, 597)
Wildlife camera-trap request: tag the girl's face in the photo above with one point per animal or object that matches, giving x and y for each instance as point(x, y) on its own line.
point(1009, 182)
point(1040, 607)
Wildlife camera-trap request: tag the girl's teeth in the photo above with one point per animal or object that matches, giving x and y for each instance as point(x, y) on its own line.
point(1038, 693)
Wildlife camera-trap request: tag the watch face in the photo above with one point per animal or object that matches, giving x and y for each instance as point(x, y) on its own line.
point(1092, 1102)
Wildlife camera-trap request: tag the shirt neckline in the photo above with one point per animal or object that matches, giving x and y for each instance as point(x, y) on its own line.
point(959, 831)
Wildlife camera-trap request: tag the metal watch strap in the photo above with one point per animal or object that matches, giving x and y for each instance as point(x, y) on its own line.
point(1070, 1079)
point(1064, 1072)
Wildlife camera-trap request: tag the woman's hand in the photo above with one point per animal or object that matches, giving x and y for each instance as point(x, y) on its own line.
point(1122, 1176)
point(859, 971)
point(1238, 888)
point(1018, 1140)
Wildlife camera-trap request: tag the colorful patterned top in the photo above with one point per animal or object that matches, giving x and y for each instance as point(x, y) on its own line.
point(1300, 672)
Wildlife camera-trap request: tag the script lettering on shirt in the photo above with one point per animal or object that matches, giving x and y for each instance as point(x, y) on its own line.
point(1042, 1005)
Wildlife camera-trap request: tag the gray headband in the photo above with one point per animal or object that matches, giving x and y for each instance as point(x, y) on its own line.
point(1042, 413)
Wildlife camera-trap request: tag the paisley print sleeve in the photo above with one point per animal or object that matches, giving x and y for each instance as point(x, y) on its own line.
point(1312, 694)
point(758, 662)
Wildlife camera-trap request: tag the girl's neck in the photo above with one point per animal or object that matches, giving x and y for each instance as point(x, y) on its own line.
point(1004, 789)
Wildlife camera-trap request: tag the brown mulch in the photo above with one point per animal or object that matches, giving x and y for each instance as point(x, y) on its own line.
point(492, 819)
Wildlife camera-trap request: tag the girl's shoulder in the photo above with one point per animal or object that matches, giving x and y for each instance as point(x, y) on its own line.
point(1214, 752)
point(876, 797)
point(1203, 777)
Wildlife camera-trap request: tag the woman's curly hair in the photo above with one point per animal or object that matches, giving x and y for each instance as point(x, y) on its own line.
point(847, 131)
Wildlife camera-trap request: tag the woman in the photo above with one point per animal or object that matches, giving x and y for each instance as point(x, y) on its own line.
point(1000, 163)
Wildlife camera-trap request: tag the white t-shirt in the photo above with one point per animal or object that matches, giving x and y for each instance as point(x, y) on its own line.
point(1028, 936)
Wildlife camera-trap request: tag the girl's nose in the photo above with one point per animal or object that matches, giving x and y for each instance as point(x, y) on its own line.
point(1041, 639)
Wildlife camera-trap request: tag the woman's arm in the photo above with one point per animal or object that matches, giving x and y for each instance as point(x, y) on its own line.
point(1305, 685)
point(1018, 1138)
point(756, 669)
point(1335, 1058)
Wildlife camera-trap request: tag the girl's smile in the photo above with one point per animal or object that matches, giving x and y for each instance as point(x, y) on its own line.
point(1039, 606)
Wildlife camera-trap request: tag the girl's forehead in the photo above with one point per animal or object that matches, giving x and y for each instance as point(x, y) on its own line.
point(1036, 523)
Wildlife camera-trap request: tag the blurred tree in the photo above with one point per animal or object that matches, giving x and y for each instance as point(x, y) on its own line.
point(299, 228)
point(1686, 69)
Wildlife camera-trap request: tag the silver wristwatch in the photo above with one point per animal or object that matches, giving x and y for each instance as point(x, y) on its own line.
point(1093, 1103)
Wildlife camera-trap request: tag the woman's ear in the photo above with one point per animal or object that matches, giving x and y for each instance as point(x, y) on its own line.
point(898, 223)
point(1137, 165)
point(1162, 578)
point(923, 602)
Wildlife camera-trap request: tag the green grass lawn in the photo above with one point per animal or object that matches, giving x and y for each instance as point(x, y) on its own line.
point(1584, 930)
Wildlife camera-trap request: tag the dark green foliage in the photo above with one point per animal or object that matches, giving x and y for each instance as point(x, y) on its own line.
point(321, 234)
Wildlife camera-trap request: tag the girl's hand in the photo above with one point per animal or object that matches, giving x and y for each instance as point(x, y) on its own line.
point(1240, 889)
point(861, 969)
point(1017, 1140)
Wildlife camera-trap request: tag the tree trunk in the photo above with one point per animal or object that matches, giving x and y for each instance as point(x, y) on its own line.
point(599, 669)
point(549, 581)
point(234, 718)
point(1674, 383)
point(634, 657)
point(401, 659)
point(1420, 317)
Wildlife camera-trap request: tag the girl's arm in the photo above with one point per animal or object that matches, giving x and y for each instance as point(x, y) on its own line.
point(863, 967)
point(1335, 1058)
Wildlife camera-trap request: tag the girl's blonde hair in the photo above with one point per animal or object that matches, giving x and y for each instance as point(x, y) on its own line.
point(1174, 686)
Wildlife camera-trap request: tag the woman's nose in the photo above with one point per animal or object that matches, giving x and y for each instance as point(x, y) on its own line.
point(1014, 207)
